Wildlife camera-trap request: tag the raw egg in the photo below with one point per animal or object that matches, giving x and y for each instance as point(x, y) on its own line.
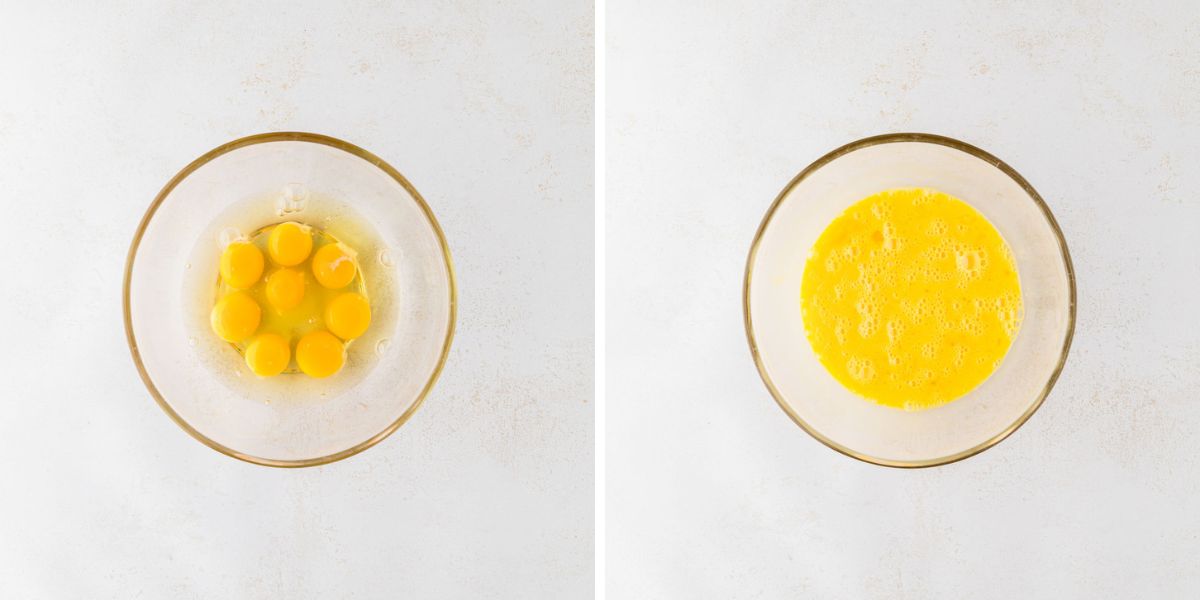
point(290, 243)
point(235, 317)
point(285, 288)
point(268, 355)
point(348, 315)
point(320, 354)
point(241, 264)
point(333, 266)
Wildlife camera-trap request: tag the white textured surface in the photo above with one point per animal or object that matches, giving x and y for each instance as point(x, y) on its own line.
point(487, 491)
point(712, 491)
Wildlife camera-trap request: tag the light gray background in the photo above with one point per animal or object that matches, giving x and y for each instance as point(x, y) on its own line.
point(712, 491)
point(488, 491)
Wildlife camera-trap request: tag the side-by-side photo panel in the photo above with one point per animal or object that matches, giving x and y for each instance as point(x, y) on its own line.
point(896, 299)
point(301, 300)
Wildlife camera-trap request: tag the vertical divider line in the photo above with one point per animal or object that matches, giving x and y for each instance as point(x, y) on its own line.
point(599, 374)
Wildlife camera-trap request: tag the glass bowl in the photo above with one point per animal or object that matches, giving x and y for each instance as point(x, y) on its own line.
point(812, 397)
point(203, 384)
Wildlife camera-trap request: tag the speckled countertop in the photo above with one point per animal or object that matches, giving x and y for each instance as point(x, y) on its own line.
point(712, 491)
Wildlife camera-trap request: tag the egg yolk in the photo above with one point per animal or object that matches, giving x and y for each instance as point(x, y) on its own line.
point(241, 264)
point(268, 355)
point(285, 289)
point(289, 244)
point(235, 317)
point(320, 354)
point(348, 315)
point(290, 299)
point(333, 266)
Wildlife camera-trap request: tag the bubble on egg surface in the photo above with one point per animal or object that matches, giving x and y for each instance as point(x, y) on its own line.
point(230, 235)
point(861, 369)
point(292, 199)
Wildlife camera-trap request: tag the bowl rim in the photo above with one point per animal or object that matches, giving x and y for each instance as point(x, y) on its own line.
point(961, 146)
point(287, 136)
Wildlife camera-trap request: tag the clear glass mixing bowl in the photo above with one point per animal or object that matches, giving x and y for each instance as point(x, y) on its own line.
point(203, 384)
point(822, 406)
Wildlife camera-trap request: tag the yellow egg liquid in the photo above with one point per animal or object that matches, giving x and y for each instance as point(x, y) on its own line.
point(911, 298)
point(303, 318)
